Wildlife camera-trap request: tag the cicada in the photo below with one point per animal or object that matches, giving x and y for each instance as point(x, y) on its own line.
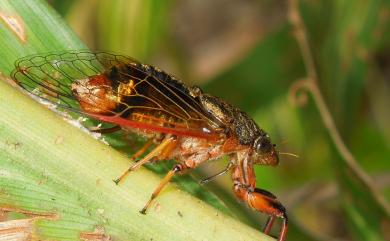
point(181, 122)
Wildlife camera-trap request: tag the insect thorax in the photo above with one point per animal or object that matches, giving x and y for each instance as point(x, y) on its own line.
point(237, 122)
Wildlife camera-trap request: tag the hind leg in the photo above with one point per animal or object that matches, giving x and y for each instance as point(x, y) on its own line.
point(167, 142)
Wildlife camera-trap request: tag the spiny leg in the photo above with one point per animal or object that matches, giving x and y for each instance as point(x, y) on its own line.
point(155, 152)
point(177, 168)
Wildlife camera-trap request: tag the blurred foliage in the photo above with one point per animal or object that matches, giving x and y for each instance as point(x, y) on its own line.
point(132, 27)
point(244, 52)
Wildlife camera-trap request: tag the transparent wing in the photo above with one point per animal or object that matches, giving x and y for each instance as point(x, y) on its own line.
point(156, 100)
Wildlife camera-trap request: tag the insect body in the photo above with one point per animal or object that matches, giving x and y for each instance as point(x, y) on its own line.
point(182, 122)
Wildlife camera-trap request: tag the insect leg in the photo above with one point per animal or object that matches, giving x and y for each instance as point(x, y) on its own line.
point(106, 130)
point(155, 152)
point(177, 168)
point(261, 200)
point(268, 224)
point(263, 203)
point(142, 150)
point(190, 163)
point(206, 180)
point(166, 152)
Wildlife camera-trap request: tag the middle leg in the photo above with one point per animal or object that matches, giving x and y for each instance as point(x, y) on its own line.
point(167, 142)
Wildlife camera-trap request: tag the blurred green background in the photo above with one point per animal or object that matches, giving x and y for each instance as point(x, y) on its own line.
point(246, 53)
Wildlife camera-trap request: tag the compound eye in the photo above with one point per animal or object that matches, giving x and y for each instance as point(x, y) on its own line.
point(263, 145)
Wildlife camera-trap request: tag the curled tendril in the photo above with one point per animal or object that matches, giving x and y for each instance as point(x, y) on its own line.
point(298, 95)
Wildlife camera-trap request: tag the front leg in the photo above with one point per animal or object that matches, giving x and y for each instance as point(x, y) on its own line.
point(263, 202)
point(244, 180)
